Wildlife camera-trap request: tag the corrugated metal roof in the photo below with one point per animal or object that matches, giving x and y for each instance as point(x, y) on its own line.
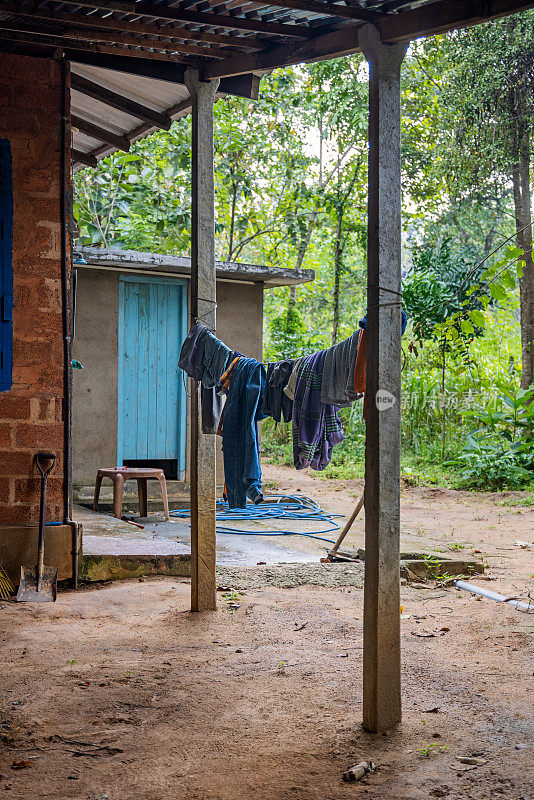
point(140, 49)
point(158, 95)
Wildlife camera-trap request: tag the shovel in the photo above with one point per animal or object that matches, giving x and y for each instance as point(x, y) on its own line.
point(39, 584)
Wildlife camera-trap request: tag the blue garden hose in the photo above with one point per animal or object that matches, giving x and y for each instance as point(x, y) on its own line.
point(281, 506)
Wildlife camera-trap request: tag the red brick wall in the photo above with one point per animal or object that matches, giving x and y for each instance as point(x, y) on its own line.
point(31, 414)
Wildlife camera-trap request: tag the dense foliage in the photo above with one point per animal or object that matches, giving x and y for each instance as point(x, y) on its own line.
point(291, 191)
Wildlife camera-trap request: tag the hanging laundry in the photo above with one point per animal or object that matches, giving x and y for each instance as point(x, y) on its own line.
point(289, 389)
point(216, 358)
point(223, 386)
point(337, 386)
point(204, 358)
point(211, 406)
point(241, 449)
point(276, 403)
point(192, 351)
point(316, 426)
point(226, 378)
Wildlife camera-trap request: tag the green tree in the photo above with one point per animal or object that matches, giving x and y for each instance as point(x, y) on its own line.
point(483, 79)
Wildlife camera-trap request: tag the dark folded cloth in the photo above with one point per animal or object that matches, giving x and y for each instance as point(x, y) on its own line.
point(204, 358)
point(276, 403)
point(316, 426)
point(337, 382)
point(192, 352)
point(211, 405)
point(215, 360)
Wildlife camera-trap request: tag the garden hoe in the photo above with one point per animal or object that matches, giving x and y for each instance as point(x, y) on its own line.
point(38, 584)
point(334, 554)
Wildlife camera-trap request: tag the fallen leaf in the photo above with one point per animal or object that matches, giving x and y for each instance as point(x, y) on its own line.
point(22, 764)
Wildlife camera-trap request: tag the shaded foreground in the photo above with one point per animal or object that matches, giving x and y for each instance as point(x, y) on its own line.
point(122, 692)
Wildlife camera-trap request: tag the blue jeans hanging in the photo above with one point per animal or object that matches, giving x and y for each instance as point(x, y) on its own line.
point(241, 449)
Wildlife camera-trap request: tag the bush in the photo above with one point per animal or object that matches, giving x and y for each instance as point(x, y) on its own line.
point(488, 462)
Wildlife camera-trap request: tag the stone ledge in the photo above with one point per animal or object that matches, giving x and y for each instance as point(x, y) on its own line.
point(122, 567)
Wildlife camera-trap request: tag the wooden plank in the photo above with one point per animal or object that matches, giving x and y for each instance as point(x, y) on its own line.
point(142, 377)
point(182, 15)
point(57, 41)
point(241, 86)
point(381, 625)
point(129, 366)
point(100, 134)
point(160, 386)
point(329, 9)
point(118, 101)
point(111, 23)
point(172, 348)
point(203, 296)
point(154, 368)
point(170, 71)
point(122, 40)
point(445, 16)
point(329, 45)
point(83, 158)
point(245, 85)
point(144, 129)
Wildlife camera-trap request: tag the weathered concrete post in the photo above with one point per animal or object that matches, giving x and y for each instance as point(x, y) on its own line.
point(203, 305)
point(381, 643)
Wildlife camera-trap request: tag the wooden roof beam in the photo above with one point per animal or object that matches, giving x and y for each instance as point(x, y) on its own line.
point(121, 40)
point(334, 44)
point(115, 23)
point(100, 134)
point(87, 159)
point(118, 101)
point(329, 9)
point(445, 16)
point(422, 21)
point(183, 15)
point(60, 42)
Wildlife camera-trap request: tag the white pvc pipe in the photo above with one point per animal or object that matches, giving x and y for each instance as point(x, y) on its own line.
point(500, 598)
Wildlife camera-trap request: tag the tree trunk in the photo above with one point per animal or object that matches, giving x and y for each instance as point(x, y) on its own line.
point(338, 257)
point(523, 216)
point(232, 221)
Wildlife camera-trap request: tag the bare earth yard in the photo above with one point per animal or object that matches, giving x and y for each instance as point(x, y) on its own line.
point(120, 693)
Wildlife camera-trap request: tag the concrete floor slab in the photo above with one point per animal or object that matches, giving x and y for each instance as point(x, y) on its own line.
point(106, 535)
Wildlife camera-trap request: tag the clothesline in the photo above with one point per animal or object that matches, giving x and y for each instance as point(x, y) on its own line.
point(307, 391)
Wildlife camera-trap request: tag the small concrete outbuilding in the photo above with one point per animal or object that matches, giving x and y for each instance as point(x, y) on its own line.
point(130, 400)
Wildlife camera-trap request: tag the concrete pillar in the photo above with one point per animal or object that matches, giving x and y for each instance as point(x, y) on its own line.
point(203, 305)
point(381, 648)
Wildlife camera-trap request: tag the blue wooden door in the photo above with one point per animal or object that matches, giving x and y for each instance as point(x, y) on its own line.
point(151, 390)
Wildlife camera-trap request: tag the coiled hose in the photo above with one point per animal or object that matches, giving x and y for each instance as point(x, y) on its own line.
point(274, 506)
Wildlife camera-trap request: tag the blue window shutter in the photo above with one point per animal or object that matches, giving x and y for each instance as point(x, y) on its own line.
point(6, 267)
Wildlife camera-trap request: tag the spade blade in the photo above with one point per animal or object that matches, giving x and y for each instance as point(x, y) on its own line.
point(28, 591)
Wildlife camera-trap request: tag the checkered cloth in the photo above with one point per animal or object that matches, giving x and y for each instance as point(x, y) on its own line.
point(316, 426)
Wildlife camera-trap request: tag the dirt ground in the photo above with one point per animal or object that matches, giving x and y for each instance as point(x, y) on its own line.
point(120, 693)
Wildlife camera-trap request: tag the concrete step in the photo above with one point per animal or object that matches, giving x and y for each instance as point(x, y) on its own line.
point(125, 567)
